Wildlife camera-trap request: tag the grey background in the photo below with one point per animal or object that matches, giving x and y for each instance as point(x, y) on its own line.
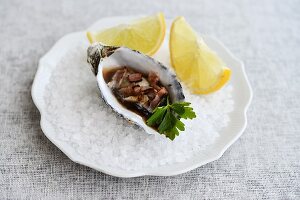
point(262, 164)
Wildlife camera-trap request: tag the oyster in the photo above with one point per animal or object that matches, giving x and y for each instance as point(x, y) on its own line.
point(128, 77)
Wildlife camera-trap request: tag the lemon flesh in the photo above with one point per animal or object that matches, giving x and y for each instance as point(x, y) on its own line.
point(195, 63)
point(145, 34)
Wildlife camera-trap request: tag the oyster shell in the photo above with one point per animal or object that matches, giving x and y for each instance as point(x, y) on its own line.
point(103, 58)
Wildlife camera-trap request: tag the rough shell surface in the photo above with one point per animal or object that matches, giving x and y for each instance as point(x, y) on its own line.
point(105, 57)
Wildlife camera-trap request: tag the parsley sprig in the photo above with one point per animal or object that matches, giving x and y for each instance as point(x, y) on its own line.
point(167, 118)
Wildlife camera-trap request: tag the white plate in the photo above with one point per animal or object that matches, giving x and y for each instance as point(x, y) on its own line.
point(242, 95)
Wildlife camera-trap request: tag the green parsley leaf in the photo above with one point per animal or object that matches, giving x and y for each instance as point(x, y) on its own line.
point(157, 116)
point(183, 103)
point(180, 125)
point(179, 109)
point(167, 118)
point(168, 122)
point(184, 110)
point(188, 113)
point(171, 134)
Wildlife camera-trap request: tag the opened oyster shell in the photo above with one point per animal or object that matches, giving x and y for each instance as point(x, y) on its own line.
point(137, 72)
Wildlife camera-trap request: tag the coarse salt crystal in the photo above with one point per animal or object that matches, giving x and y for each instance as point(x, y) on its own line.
point(84, 121)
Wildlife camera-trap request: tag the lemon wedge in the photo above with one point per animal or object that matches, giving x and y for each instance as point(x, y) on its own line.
point(195, 63)
point(145, 34)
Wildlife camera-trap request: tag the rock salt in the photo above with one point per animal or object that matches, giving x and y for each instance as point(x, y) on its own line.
point(87, 124)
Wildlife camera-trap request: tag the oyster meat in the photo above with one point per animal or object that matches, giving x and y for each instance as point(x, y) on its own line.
point(139, 93)
point(131, 83)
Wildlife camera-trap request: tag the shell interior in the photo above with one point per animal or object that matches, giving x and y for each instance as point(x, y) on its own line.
point(141, 63)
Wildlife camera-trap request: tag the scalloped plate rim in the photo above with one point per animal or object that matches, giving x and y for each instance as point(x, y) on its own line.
point(46, 126)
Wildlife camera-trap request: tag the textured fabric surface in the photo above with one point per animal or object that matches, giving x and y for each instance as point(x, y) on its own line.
point(262, 164)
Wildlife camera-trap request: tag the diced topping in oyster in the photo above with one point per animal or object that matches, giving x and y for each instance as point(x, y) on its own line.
point(135, 77)
point(143, 92)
